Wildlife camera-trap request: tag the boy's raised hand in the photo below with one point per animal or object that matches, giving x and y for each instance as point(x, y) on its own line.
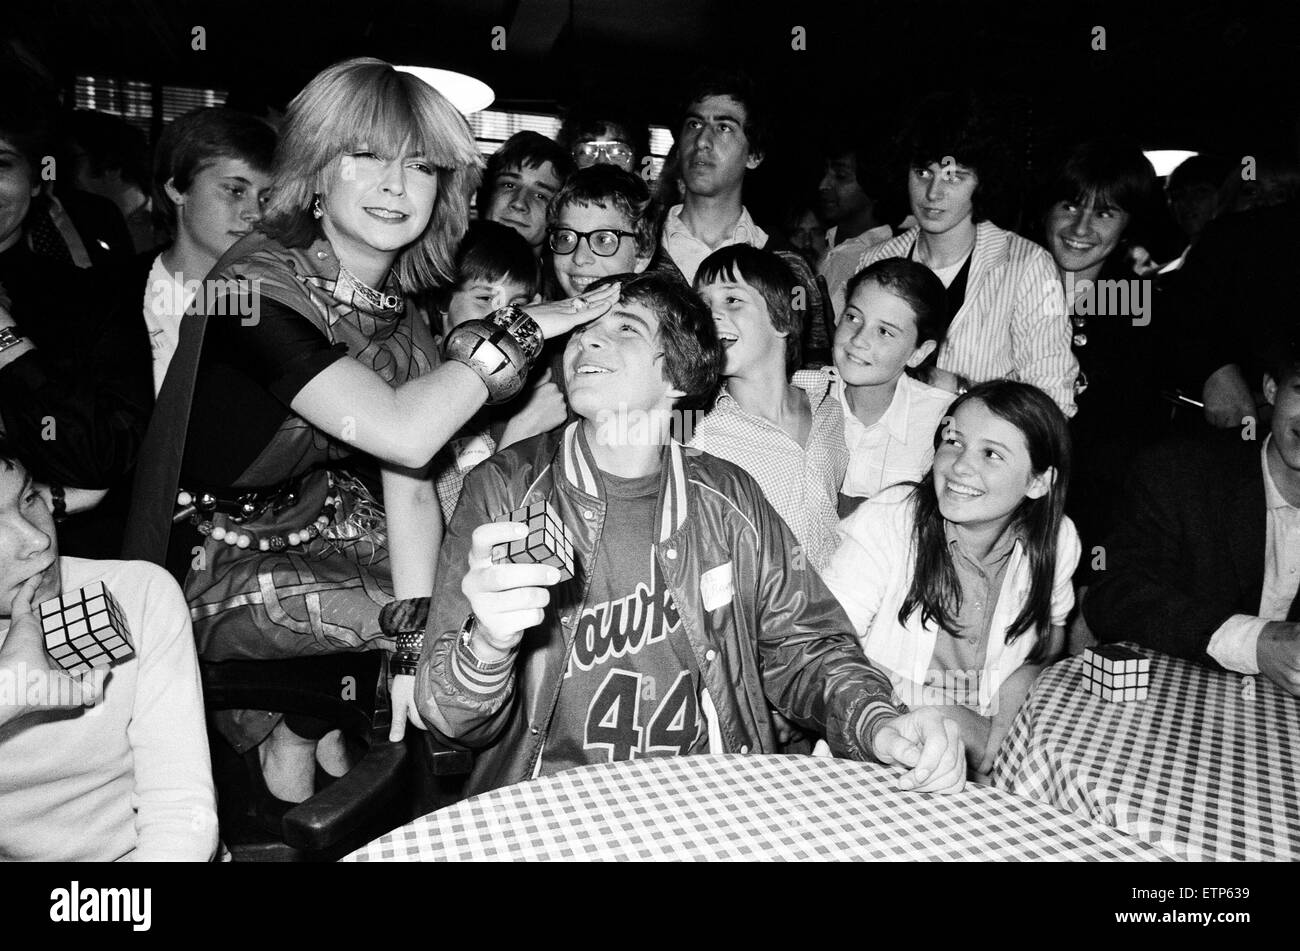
point(506, 599)
point(930, 744)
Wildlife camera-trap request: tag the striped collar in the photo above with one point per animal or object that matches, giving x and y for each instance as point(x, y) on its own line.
point(580, 471)
point(992, 249)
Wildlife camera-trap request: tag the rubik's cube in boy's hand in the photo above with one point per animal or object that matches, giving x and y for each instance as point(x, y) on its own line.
point(548, 541)
point(1116, 673)
point(85, 629)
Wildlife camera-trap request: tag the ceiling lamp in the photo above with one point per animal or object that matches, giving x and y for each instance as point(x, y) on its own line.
point(464, 92)
point(1166, 160)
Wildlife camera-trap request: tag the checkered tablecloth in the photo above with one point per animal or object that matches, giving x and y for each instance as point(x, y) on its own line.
point(741, 808)
point(1196, 769)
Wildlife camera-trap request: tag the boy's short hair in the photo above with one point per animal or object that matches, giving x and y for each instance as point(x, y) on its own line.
point(588, 120)
point(1282, 360)
point(111, 143)
point(774, 281)
point(603, 185)
point(1113, 172)
point(741, 87)
point(491, 252)
point(963, 127)
point(195, 140)
point(915, 284)
point(9, 458)
point(27, 122)
point(693, 356)
point(525, 149)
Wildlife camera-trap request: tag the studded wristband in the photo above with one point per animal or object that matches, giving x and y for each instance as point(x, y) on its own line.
point(404, 621)
point(500, 348)
point(406, 658)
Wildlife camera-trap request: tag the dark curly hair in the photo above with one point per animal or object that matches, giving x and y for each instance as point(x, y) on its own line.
point(693, 357)
point(961, 126)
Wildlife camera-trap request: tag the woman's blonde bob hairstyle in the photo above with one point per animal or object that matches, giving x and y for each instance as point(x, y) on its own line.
point(365, 101)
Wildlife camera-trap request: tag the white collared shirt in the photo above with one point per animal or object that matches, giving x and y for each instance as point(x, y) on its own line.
point(898, 447)
point(1233, 644)
point(688, 252)
point(166, 300)
point(841, 261)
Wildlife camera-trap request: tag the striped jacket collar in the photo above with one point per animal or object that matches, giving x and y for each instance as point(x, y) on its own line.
point(578, 468)
point(991, 251)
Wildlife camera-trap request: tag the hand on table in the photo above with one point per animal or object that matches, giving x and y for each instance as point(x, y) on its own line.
point(23, 652)
point(928, 742)
point(506, 599)
point(561, 316)
point(1277, 652)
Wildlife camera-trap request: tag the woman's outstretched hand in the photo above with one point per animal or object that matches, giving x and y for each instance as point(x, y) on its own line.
point(561, 316)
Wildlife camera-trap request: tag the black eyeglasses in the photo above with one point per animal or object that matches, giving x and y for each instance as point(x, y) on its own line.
point(603, 242)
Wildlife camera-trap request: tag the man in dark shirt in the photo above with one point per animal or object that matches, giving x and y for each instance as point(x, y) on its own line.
point(75, 383)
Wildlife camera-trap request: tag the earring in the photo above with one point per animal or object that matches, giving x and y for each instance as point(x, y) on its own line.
point(316, 210)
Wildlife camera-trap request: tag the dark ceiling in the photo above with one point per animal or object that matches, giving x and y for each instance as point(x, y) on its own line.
point(1194, 74)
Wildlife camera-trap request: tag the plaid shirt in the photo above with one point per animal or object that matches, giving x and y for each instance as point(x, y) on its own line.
point(801, 482)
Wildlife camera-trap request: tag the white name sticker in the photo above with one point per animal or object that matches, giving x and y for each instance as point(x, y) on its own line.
point(470, 452)
point(716, 588)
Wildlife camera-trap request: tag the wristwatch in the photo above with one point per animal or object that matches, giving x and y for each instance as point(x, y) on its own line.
point(9, 337)
point(466, 634)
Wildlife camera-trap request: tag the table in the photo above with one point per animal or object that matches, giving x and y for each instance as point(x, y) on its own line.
point(1195, 769)
point(743, 808)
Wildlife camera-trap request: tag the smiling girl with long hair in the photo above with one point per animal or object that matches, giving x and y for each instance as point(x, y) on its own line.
point(959, 585)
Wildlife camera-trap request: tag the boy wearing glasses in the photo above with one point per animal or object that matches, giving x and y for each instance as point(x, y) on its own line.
point(522, 177)
point(594, 138)
point(600, 225)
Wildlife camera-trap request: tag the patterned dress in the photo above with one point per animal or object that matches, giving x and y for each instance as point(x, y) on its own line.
point(296, 313)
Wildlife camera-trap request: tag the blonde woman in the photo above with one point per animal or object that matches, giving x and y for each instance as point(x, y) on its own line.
point(319, 391)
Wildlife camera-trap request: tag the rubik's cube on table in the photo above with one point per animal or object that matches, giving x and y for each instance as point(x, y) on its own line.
point(548, 541)
point(1116, 673)
point(85, 629)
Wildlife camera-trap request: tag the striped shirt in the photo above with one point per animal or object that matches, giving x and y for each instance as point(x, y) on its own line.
point(1012, 323)
point(801, 482)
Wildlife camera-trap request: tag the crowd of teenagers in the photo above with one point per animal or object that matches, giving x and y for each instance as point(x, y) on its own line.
point(843, 484)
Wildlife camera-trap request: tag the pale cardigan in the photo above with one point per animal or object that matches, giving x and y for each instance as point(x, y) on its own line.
point(871, 573)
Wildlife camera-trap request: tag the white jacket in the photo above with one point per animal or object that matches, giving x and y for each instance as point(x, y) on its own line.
point(871, 573)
